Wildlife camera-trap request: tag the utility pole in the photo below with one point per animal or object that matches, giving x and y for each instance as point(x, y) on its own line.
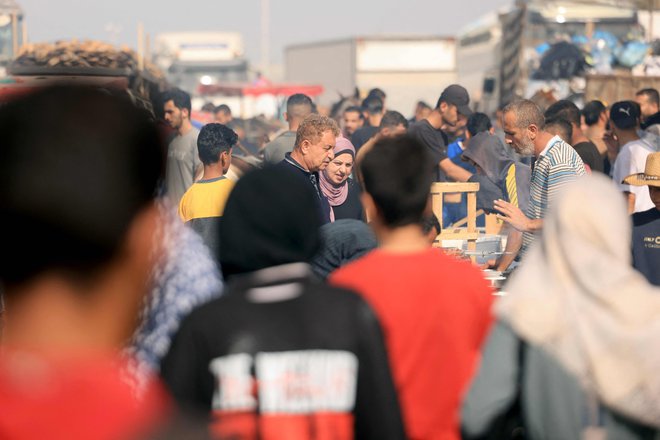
point(265, 37)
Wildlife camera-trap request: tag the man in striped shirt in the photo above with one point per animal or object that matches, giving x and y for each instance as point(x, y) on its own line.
point(557, 164)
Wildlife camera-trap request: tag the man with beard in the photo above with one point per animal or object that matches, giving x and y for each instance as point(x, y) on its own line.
point(452, 107)
point(183, 162)
point(557, 164)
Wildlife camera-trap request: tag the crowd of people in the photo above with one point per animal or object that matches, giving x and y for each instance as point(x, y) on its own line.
point(155, 289)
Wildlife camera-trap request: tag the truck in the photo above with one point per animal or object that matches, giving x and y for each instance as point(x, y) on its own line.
point(497, 53)
point(194, 59)
point(407, 68)
point(12, 32)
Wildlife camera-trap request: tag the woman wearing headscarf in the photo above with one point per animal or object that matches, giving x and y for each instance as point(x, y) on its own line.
point(577, 337)
point(342, 192)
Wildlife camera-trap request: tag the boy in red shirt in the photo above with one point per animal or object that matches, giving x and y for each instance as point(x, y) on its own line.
point(435, 310)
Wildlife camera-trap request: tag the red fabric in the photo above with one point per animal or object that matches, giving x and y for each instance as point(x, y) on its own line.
point(435, 312)
point(86, 399)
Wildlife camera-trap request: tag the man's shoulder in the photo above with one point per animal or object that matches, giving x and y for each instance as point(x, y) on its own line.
point(643, 218)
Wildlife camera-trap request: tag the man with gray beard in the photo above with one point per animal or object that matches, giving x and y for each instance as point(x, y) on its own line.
point(557, 164)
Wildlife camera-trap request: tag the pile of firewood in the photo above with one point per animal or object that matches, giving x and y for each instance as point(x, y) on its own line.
point(83, 54)
point(76, 54)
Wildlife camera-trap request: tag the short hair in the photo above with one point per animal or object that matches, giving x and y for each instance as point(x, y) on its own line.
point(430, 222)
point(213, 139)
point(526, 112)
point(565, 110)
point(651, 94)
point(378, 93)
point(354, 109)
point(208, 107)
point(592, 111)
point(478, 123)
point(223, 108)
point(180, 99)
point(392, 119)
point(560, 127)
point(424, 105)
point(397, 174)
point(77, 165)
point(313, 127)
point(372, 105)
point(299, 106)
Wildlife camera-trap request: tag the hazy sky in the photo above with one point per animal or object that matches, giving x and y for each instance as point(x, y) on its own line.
point(291, 21)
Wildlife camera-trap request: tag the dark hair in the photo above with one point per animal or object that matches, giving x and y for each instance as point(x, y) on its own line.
point(76, 167)
point(651, 94)
point(477, 123)
point(208, 107)
point(180, 99)
point(378, 93)
point(224, 108)
point(560, 127)
point(424, 105)
point(592, 111)
point(565, 110)
point(430, 222)
point(213, 139)
point(354, 109)
point(372, 105)
point(393, 119)
point(397, 174)
point(299, 105)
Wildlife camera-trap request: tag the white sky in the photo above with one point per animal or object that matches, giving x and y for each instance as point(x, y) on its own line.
point(292, 22)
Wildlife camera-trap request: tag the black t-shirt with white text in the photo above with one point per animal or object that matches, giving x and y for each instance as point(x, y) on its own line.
point(646, 244)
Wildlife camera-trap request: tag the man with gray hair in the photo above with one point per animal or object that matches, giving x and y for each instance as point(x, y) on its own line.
point(557, 164)
point(312, 152)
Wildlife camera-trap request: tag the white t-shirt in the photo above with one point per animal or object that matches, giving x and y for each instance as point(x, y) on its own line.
point(632, 160)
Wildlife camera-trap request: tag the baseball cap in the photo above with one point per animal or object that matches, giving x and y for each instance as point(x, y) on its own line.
point(458, 96)
point(625, 114)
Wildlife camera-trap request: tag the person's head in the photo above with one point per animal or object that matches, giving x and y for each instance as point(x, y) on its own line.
point(208, 107)
point(393, 124)
point(454, 105)
point(315, 141)
point(560, 127)
point(214, 145)
point(624, 117)
point(341, 166)
point(431, 227)
point(594, 113)
point(373, 108)
point(378, 93)
point(422, 110)
point(649, 102)
point(79, 169)
point(352, 119)
point(567, 111)
point(523, 123)
point(177, 108)
point(298, 107)
point(223, 114)
point(478, 123)
point(397, 176)
point(271, 218)
point(650, 177)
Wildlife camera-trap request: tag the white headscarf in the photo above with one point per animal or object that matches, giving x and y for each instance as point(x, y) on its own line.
point(577, 296)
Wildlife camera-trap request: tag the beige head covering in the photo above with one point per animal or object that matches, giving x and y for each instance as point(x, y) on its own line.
point(577, 296)
point(651, 174)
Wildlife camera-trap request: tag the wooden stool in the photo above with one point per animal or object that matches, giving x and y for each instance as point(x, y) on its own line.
point(438, 190)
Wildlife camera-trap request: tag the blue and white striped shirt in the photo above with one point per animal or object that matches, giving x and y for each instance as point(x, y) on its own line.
point(557, 165)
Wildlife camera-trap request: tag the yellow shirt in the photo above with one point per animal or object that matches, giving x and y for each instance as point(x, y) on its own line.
point(205, 198)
